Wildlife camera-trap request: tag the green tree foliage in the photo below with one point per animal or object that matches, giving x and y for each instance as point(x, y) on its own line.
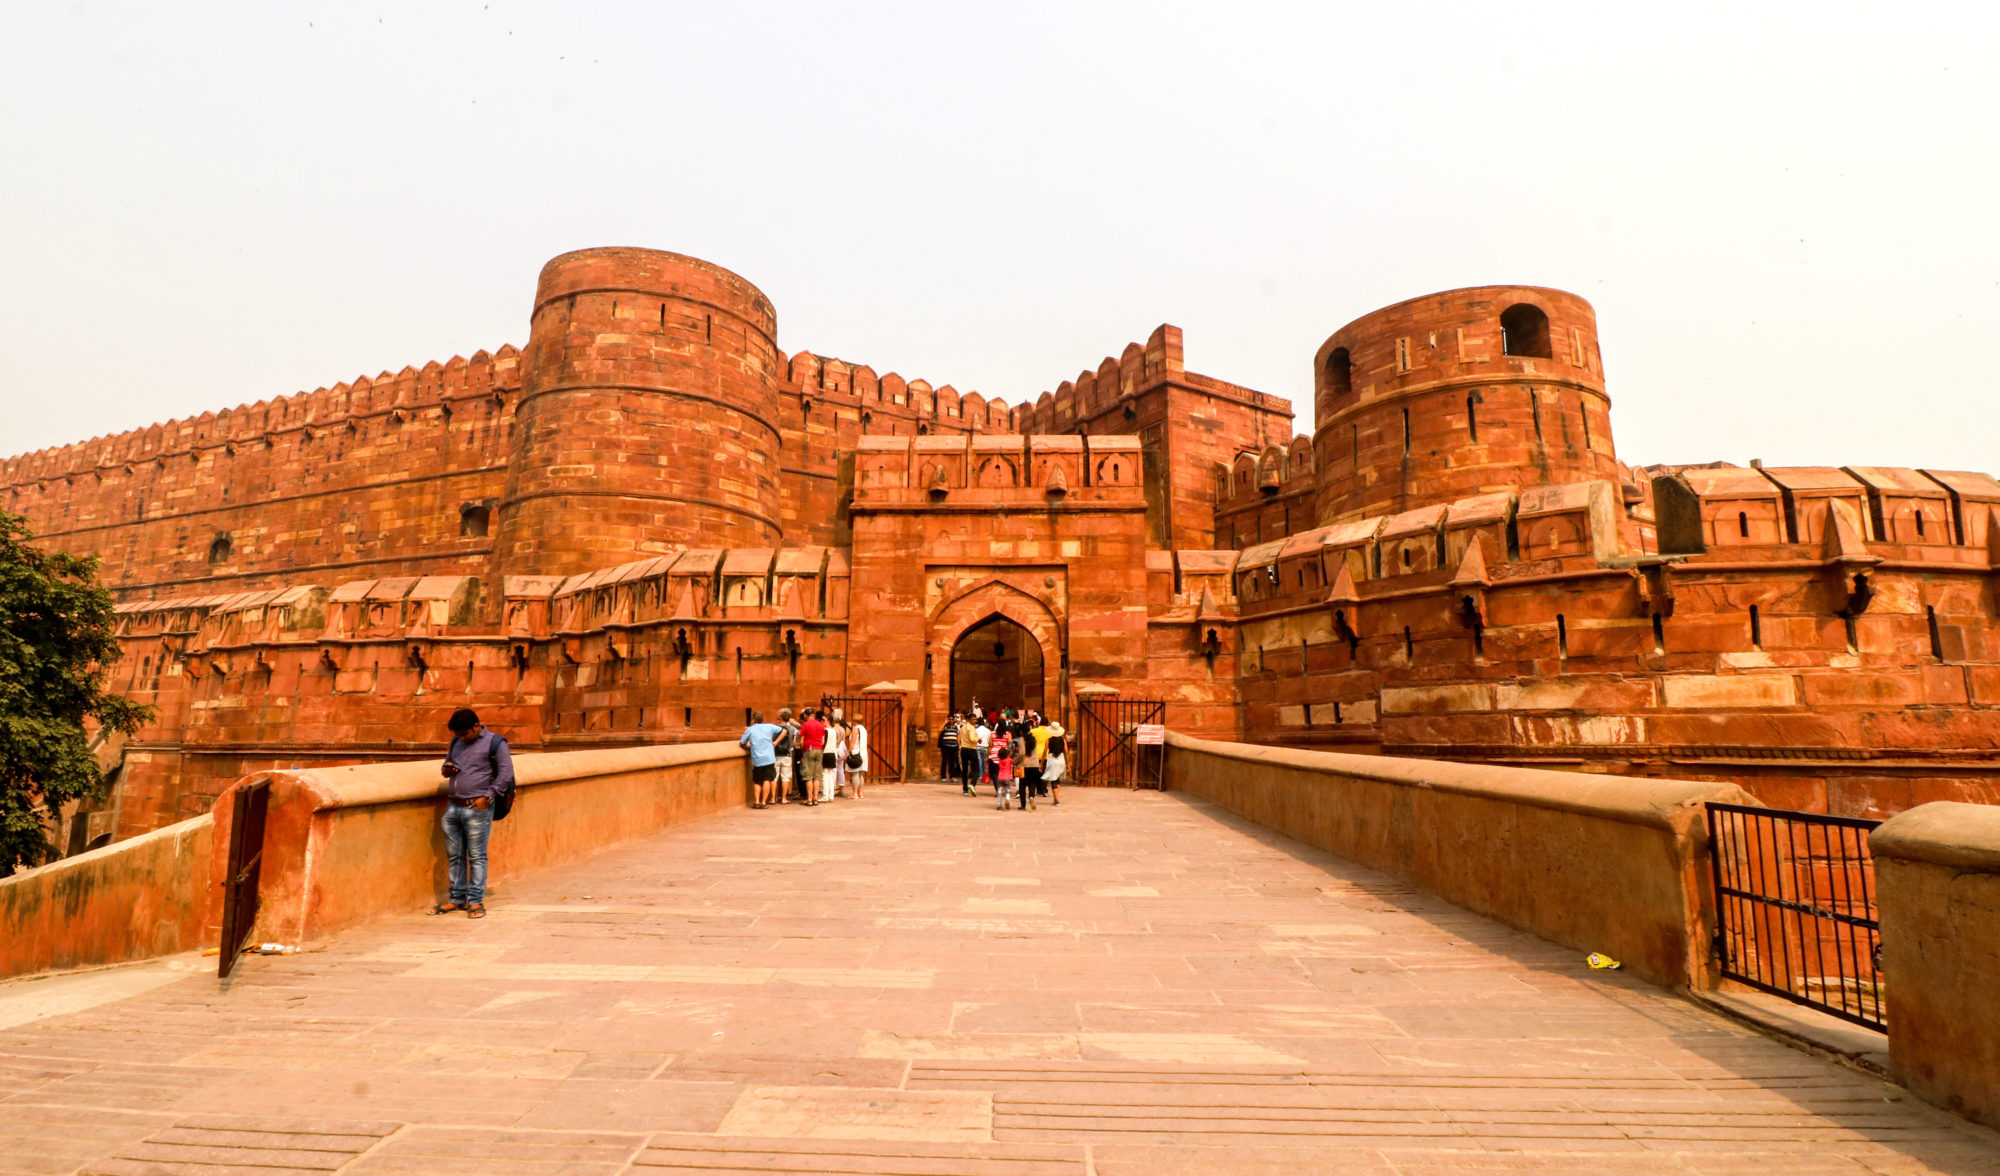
point(55, 644)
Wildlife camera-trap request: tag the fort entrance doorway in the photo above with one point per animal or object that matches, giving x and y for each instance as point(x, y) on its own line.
point(999, 663)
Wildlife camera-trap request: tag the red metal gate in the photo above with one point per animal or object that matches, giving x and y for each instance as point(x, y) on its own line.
point(1108, 744)
point(882, 714)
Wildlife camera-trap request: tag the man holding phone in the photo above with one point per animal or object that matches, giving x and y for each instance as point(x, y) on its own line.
point(479, 767)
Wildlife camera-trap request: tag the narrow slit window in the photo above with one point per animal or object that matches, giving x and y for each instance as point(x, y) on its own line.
point(1562, 637)
point(1409, 647)
point(1937, 637)
point(1743, 523)
point(1472, 417)
point(1659, 634)
point(1756, 628)
point(1406, 432)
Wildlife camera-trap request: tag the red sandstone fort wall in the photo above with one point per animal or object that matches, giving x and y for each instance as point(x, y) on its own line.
point(655, 521)
point(372, 478)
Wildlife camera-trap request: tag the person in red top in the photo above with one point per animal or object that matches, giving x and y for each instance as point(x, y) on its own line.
point(812, 766)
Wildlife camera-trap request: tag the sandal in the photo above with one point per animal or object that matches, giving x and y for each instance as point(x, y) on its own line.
point(476, 911)
point(445, 908)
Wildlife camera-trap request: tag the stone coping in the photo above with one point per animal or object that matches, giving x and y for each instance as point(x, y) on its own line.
point(1945, 833)
point(90, 857)
point(1629, 799)
point(372, 784)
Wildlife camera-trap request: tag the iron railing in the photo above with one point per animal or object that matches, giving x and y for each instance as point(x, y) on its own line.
point(1795, 908)
point(1107, 747)
point(246, 859)
point(882, 714)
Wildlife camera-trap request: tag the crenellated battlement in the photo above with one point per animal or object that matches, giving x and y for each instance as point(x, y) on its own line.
point(435, 385)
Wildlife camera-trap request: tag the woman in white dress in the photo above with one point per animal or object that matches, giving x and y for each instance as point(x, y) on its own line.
point(857, 755)
point(836, 776)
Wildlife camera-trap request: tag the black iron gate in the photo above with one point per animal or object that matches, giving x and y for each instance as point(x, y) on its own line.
point(882, 714)
point(1795, 908)
point(1114, 742)
point(246, 857)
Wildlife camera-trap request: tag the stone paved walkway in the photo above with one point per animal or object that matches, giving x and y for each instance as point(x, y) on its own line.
point(915, 983)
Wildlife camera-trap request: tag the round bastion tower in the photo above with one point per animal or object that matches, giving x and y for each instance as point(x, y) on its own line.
point(1461, 393)
point(648, 414)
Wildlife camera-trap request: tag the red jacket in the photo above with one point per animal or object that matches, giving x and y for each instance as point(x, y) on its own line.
point(812, 735)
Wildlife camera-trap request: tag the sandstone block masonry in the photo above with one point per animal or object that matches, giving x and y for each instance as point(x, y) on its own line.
point(653, 519)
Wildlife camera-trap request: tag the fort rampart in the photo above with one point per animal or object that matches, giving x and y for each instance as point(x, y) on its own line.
point(654, 521)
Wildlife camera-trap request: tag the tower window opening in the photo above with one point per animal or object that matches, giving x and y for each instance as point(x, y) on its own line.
point(1756, 629)
point(1562, 637)
point(1524, 331)
point(1659, 634)
point(1339, 373)
point(1920, 524)
point(708, 326)
point(1406, 432)
point(474, 521)
point(1409, 647)
point(1937, 638)
point(663, 316)
point(1472, 416)
point(687, 716)
point(218, 549)
point(1743, 523)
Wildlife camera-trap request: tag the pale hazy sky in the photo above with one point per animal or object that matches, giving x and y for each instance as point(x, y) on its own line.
point(1787, 216)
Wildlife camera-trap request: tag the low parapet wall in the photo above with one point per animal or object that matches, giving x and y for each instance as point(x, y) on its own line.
point(1937, 877)
point(130, 901)
point(345, 845)
point(1598, 863)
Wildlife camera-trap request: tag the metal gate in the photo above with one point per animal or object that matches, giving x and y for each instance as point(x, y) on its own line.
point(1795, 908)
point(246, 857)
point(882, 714)
point(1108, 748)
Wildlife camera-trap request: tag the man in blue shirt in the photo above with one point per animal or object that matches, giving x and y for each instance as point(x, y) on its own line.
point(479, 767)
point(758, 737)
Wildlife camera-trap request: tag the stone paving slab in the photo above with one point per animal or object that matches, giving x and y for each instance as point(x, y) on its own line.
point(918, 983)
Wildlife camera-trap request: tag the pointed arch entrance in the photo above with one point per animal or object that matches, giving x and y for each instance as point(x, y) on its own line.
point(999, 663)
point(1029, 633)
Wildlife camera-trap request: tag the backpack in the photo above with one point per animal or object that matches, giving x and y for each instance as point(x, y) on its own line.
point(503, 800)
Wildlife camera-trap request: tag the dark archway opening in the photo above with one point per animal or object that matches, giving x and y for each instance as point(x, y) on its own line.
point(1339, 373)
point(1524, 330)
point(998, 662)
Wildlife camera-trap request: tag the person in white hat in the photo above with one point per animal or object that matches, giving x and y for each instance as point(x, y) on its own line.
point(1054, 761)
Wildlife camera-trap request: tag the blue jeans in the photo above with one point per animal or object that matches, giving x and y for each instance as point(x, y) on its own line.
point(465, 832)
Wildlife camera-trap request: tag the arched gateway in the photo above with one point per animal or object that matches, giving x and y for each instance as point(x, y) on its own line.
point(1000, 645)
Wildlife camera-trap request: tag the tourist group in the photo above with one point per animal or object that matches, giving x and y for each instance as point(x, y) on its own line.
point(814, 758)
point(1020, 753)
